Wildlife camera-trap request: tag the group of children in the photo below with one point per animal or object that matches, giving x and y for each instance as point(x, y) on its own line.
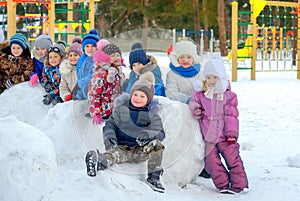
point(91, 70)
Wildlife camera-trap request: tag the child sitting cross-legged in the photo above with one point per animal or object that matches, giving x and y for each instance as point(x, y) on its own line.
point(133, 133)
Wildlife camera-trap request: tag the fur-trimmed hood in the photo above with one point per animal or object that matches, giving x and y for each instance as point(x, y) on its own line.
point(65, 67)
point(150, 65)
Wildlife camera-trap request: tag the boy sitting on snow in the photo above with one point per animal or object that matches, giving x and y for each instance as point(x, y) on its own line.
point(133, 133)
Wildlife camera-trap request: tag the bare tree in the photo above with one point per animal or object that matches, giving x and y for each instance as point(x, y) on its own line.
point(222, 30)
point(196, 19)
point(204, 5)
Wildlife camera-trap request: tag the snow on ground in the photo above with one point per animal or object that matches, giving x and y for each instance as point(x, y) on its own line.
point(43, 147)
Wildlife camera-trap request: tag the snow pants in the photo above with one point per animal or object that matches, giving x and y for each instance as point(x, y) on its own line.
point(152, 152)
point(234, 175)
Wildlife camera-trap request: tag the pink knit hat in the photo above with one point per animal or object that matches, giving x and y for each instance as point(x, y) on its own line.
point(76, 46)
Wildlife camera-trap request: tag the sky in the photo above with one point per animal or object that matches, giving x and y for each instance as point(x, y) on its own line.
point(43, 147)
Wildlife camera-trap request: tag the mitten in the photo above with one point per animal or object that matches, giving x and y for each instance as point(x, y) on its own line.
point(230, 140)
point(48, 87)
point(9, 83)
point(97, 119)
point(47, 99)
point(198, 113)
point(68, 97)
point(34, 79)
point(110, 143)
point(142, 139)
point(111, 76)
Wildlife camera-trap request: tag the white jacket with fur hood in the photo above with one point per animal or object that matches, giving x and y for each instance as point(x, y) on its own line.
point(68, 78)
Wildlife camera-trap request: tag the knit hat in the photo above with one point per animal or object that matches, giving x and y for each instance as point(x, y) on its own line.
point(215, 66)
point(181, 48)
point(19, 39)
point(111, 48)
point(104, 54)
point(101, 43)
point(43, 41)
point(91, 38)
point(76, 46)
point(58, 47)
point(138, 55)
point(137, 45)
point(146, 85)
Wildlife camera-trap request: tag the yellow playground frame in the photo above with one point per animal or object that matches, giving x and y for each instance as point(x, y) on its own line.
point(52, 27)
point(250, 47)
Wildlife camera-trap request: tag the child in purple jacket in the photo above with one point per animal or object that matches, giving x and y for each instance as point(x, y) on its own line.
point(215, 105)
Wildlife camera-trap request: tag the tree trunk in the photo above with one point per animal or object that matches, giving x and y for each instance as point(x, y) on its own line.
point(145, 26)
point(221, 24)
point(196, 21)
point(205, 38)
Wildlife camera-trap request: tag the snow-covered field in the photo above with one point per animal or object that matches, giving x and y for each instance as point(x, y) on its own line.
point(43, 147)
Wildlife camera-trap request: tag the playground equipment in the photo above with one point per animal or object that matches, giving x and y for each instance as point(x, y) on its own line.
point(49, 22)
point(187, 34)
point(272, 37)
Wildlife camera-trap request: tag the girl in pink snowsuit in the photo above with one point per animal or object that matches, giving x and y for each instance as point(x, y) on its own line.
point(215, 105)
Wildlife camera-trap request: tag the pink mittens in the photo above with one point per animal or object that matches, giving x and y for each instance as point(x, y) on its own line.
point(34, 79)
point(97, 119)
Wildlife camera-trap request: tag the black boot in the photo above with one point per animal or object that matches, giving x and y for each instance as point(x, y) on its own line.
point(95, 161)
point(153, 181)
point(204, 174)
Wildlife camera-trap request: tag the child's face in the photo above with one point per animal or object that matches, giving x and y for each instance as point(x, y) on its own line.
point(211, 80)
point(136, 67)
point(16, 49)
point(115, 59)
point(89, 49)
point(139, 99)
point(73, 58)
point(41, 52)
point(54, 59)
point(185, 60)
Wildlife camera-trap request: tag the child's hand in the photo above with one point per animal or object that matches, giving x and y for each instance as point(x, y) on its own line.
point(198, 113)
point(34, 79)
point(97, 119)
point(110, 143)
point(68, 97)
point(142, 139)
point(48, 87)
point(48, 98)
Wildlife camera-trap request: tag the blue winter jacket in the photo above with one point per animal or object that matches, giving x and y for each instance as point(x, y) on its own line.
point(84, 73)
point(154, 68)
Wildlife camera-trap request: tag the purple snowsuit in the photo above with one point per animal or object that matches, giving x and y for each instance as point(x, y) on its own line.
point(218, 121)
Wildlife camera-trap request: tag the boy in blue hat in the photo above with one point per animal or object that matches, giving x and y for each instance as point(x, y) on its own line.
point(85, 65)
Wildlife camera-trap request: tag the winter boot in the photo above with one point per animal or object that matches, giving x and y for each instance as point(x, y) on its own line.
point(95, 161)
point(205, 174)
point(153, 181)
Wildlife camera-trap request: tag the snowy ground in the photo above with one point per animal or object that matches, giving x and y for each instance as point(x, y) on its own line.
point(42, 148)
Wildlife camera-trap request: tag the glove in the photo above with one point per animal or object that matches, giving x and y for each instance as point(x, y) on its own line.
point(68, 97)
point(230, 140)
point(142, 139)
point(48, 87)
point(47, 99)
point(97, 119)
point(110, 143)
point(9, 83)
point(198, 113)
point(34, 79)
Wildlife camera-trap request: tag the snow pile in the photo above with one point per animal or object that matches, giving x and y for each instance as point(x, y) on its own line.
point(27, 160)
point(49, 144)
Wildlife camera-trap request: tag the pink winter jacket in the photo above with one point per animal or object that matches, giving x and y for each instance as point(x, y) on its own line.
point(218, 118)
